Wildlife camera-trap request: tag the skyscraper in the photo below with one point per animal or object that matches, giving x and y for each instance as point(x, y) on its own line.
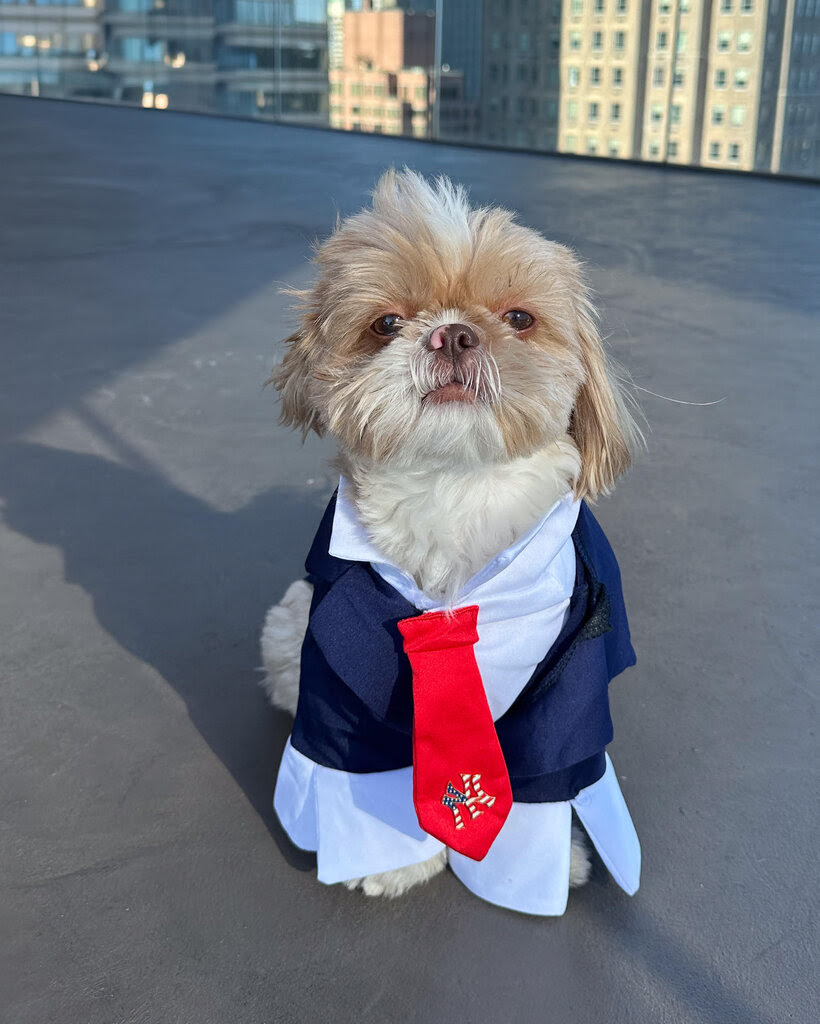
point(520, 72)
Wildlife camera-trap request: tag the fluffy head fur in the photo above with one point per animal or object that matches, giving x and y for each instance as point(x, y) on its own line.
point(421, 252)
point(455, 449)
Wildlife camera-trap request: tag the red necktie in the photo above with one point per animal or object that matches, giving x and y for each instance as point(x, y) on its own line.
point(461, 788)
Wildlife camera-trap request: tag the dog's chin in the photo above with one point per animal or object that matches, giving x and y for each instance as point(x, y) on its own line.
point(454, 428)
point(450, 393)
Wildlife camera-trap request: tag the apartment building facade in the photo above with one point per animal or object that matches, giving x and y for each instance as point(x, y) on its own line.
point(602, 73)
point(251, 57)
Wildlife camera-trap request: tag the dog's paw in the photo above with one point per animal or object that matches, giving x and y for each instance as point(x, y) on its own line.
point(282, 636)
point(579, 862)
point(394, 883)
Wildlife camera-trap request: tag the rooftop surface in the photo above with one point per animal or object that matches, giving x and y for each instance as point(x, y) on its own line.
point(152, 509)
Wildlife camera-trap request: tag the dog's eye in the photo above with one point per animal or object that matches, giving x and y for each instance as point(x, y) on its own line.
point(518, 319)
point(387, 326)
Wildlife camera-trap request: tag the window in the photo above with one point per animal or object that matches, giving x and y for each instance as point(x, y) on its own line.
point(654, 148)
point(738, 115)
point(574, 77)
point(593, 112)
point(684, 6)
point(617, 76)
point(718, 115)
point(592, 144)
point(614, 147)
point(720, 78)
point(661, 40)
point(577, 8)
point(656, 113)
point(744, 42)
point(620, 6)
point(595, 76)
point(725, 6)
point(615, 112)
point(734, 151)
point(572, 110)
point(598, 6)
point(658, 75)
point(724, 41)
point(575, 40)
point(597, 40)
point(571, 143)
point(664, 6)
point(672, 149)
point(747, 6)
point(741, 78)
point(674, 113)
point(714, 151)
point(619, 40)
point(681, 40)
point(677, 80)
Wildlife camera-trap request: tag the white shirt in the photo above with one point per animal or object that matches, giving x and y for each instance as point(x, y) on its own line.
point(362, 824)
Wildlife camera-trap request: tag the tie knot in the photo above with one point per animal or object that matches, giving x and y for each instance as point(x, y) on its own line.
point(440, 631)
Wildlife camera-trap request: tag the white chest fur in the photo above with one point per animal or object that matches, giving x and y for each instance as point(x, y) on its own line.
point(442, 525)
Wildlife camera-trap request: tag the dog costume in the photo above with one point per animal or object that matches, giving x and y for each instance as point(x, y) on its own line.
point(549, 628)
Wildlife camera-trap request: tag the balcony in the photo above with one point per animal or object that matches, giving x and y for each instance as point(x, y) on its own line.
point(152, 509)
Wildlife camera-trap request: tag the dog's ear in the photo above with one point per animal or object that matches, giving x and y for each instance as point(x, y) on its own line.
point(294, 379)
point(601, 425)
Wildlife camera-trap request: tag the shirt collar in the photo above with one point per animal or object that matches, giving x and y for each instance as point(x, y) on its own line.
point(350, 540)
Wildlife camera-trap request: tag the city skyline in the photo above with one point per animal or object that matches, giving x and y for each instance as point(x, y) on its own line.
point(716, 83)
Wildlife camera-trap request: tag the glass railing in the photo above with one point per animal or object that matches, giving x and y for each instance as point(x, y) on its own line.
point(717, 83)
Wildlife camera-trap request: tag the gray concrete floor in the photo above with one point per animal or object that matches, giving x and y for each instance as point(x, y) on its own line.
point(152, 509)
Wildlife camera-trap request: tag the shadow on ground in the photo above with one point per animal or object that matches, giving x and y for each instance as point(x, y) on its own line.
point(181, 586)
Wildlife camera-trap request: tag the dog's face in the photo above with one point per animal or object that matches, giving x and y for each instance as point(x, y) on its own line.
point(439, 334)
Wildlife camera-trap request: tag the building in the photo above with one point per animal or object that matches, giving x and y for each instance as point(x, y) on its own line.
point(797, 124)
point(387, 82)
point(253, 57)
point(676, 37)
point(272, 59)
point(50, 49)
point(603, 73)
point(520, 68)
point(732, 91)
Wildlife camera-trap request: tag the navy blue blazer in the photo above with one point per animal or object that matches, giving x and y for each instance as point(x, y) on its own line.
point(355, 709)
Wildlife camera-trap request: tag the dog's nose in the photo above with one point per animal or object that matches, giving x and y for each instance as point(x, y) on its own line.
point(452, 339)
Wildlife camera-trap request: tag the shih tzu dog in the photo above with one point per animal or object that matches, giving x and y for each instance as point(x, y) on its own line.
point(448, 655)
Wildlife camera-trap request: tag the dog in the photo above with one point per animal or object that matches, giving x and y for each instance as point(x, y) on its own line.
point(454, 356)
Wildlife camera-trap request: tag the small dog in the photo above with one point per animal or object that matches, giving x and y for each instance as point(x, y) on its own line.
point(453, 355)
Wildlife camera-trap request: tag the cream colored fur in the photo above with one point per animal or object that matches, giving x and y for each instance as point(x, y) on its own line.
point(282, 636)
point(443, 487)
point(442, 524)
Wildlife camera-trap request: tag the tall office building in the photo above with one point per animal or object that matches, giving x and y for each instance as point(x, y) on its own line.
point(461, 42)
point(732, 91)
point(50, 49)
point(797, 126)
point(251, 57)
point(520, 73)
point(676, 37)
point(384, 84)
point(387, 81)
point(603, 70)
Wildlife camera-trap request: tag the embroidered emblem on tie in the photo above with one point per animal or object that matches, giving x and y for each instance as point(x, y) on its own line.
point(471, 797)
